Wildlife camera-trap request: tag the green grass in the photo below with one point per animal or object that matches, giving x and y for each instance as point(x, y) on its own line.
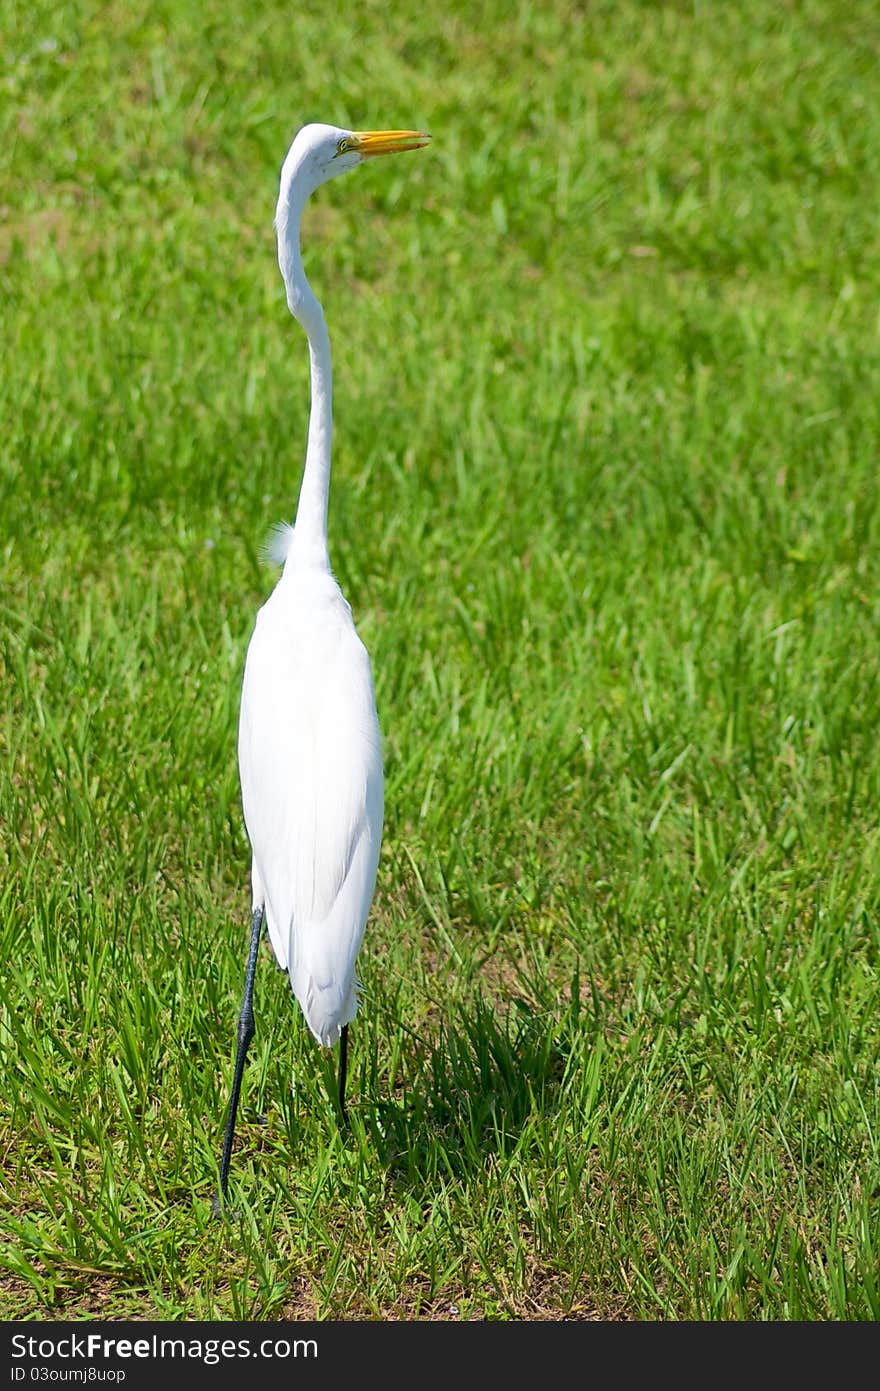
point(605, 506)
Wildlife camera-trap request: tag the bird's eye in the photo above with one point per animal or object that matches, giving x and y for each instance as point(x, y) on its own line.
point(344, 146)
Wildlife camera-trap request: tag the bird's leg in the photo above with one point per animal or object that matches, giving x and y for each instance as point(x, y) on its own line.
point(245, 1034)
point(343, 1069)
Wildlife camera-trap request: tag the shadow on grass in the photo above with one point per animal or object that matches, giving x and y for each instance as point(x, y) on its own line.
point(471, 1094)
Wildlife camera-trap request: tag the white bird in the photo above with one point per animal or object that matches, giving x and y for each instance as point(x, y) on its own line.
point(309, 748)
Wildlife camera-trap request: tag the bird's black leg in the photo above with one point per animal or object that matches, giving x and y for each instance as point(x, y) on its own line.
point(245, 1034)
point(343, 1069)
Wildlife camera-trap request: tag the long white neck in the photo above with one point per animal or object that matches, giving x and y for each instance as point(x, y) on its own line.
point(309, 542)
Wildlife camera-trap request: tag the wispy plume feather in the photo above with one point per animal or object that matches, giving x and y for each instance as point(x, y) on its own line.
point(276, 547)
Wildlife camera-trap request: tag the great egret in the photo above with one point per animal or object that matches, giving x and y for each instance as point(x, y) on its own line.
point(309, 749)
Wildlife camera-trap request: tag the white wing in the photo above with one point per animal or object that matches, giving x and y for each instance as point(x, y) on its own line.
point(312, 788)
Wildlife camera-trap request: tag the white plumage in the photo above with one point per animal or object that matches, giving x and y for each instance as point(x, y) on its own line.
point(309, 748)
point(312, 787)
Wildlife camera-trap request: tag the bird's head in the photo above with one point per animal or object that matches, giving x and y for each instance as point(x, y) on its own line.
point(320, 152)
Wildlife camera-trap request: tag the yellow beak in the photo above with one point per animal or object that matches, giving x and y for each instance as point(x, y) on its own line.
point(388, 142)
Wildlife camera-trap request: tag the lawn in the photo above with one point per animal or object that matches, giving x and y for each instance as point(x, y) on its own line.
point(604, 503)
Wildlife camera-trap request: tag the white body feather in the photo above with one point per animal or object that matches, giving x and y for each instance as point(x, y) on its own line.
point(312, 786)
